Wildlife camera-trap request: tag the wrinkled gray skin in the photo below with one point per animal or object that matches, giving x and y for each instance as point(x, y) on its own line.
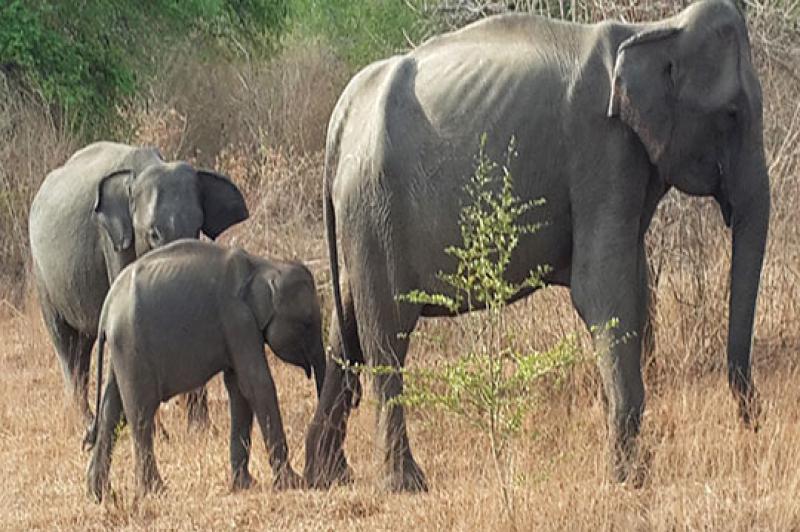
point(606, 118)
point(182, 314)
point(107, 205)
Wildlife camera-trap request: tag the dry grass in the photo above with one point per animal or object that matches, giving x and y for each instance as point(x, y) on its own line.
point(285, 102)
point(31, 144)
point(705, 471)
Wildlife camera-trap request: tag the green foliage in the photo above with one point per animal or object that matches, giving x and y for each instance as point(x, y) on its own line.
point(490, 231)
point(490, 391)
point(361, 30)
point(56, 57)
point(492, 386)
point(83, 56)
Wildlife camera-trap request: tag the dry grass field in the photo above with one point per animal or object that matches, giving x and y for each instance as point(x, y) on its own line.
point(704, 470)
point(705, 473)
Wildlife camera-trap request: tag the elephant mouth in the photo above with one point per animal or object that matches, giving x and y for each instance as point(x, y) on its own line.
point(721, 195)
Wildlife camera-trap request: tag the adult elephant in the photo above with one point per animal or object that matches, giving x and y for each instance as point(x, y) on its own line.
point(108, 204)
point(607, 118)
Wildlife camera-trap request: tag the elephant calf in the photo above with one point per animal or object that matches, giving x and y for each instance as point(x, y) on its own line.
point(181, 314)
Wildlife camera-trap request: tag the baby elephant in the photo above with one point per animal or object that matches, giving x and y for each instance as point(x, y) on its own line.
point(181, 314)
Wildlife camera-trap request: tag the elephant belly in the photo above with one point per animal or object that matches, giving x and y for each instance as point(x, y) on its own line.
point(422, 242)
point(184, 362)
point(178, 329)
point(184, 380)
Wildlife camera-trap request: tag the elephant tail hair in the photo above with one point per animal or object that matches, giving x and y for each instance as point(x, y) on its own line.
point(333, 256)
point(91, 434)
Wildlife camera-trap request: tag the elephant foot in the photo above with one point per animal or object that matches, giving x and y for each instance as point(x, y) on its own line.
point(749, 410)
point(242, 481)
point(287, 479)
point(323, 473)
point(326, 464)
point(633, 474)
point(151, 482)
point(407, 478)
point(97, 484)
point(631, 466)
point(155, 486)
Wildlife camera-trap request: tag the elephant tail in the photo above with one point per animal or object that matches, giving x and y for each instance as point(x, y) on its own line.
point(91, 434)
point(333, 255)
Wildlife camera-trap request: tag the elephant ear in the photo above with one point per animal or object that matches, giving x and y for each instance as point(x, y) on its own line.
point(642, 88)
point(223, 203)
point(112, 208)
point(256, 290)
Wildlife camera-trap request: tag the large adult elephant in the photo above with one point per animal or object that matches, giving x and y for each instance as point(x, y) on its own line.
point(607, 118)
point(108, 204)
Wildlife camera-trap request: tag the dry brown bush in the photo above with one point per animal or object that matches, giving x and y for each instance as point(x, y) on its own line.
point(283, 102)
point(31, 144)
point(264, 126)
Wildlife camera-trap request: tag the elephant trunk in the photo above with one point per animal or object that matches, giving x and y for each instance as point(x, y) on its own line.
point(750, 206)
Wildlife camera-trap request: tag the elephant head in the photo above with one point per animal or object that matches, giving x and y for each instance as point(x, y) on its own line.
point(286, 309)
point(688, 89)
point(165, 202)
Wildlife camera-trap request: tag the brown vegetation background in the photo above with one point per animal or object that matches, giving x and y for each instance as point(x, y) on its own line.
point(263, 124)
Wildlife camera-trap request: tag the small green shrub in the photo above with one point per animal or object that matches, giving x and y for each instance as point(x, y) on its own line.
point(493, 386)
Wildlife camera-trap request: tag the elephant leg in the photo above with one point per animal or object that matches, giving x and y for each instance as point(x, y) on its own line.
point(255, 383)
point(241, 430)
point(401, 470)
point(197, 409)
point(140, 401)
point(598, 301)
point(110, 420)
point(74, 351)
point(141, 419)
point(384, 327)
point(326, 463)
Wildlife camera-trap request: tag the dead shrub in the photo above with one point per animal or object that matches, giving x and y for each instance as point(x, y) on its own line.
point(32, 143)
point(283, 102)
point(283, 188)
